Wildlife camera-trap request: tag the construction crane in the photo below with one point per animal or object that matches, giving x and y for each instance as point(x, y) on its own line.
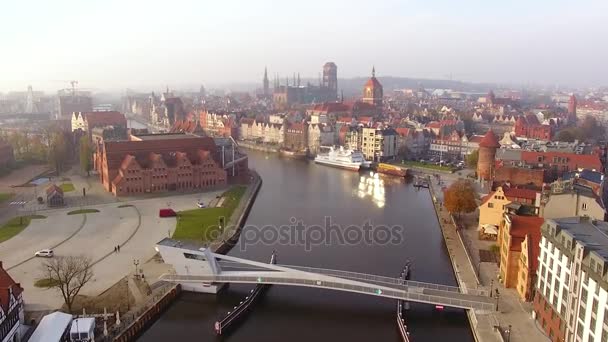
point(73, 83)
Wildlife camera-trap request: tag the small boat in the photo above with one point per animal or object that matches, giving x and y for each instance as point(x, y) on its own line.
point(392, 170)
point(283, 152)
point(344, 159)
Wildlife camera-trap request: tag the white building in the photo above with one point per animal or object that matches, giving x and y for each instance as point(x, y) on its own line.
point(378, 144)
point(571, 301)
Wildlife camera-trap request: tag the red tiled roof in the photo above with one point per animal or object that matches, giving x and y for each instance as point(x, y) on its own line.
point(373, 82)
point(489, 140)
point(97, 119)
point(513, 193)
point(403, 131)
point(574, 161)
point(53, 188)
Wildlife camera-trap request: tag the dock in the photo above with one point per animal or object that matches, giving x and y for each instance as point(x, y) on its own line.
point(223, 326)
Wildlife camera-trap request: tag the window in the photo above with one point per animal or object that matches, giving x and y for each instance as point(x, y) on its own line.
point(584, 206)
point(490, 205)
point(194, 256)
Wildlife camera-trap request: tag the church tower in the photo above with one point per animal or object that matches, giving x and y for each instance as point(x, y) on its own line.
point(330, 80)
point(372, 91)
point(572, 109)
point(266, 83)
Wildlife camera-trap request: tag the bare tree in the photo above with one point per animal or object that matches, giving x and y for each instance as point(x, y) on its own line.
point(68, 275)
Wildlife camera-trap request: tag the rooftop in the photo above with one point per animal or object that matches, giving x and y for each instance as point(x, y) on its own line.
point(590, 233)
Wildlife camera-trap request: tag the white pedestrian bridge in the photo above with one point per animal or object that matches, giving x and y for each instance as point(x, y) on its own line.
point(198, 269)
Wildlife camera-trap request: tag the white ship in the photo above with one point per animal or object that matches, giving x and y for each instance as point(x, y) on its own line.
point(345, 159)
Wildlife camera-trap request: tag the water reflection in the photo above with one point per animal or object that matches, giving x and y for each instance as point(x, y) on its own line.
point(372, 186)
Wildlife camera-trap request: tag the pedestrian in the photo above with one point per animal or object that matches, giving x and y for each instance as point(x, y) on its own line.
point(119, 248)
point(115, 250)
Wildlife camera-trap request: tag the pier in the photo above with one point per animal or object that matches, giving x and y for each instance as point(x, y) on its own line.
point(222, 326)
point(405, 335)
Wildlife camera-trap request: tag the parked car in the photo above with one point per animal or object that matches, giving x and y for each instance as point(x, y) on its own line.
point(201, 204)
point(45, 253)
point(167, 213)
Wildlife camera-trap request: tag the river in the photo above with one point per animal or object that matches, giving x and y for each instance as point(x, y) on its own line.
point(305, 191)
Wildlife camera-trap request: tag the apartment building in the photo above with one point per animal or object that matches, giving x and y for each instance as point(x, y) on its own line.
point(571, 300)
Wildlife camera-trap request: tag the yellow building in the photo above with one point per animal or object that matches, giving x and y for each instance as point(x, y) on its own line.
point(518, 238)
point(493, 206)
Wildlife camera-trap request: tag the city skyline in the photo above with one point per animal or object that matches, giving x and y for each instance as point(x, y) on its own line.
point(137, 44)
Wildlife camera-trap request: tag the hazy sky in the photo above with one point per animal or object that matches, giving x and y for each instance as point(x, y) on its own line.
point(146, 44)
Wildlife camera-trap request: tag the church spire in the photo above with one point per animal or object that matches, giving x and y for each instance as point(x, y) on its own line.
point(374, 71)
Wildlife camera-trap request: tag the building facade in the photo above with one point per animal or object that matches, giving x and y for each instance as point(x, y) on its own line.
point(11, 308)
point(159, 163)
point(378, 144)
point(571, 300)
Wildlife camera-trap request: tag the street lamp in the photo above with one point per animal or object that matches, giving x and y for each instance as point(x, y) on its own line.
point(136, 263)
point(491, 287)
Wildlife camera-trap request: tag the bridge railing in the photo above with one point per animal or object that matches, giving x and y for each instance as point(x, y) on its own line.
point(379, 279)
point(451, 301)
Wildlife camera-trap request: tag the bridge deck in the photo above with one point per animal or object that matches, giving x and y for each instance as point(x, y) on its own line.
point(408, 293)
point(369, 278)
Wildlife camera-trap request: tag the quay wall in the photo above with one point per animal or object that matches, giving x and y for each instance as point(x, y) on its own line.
point(147, 316)
point(473, 321)
point(235, 224)
point(258, 147)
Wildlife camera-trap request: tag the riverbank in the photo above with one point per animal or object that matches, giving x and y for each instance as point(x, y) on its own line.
point(482, 324)
point(259, 147)
point(231, 234)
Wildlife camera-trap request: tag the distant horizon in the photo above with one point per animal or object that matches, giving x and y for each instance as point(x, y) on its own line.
point(113, 44)
point(254, 85)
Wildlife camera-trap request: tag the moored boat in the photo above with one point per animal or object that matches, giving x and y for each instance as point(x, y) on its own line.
point(344, 159)
point(392, 170)
point(293, 154)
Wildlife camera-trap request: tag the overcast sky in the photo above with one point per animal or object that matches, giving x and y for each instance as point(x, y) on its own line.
point(115, 44)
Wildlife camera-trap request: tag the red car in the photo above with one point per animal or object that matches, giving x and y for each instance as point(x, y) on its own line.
point(167, 213)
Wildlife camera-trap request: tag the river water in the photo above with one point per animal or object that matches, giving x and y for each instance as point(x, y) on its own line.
point(308, 192)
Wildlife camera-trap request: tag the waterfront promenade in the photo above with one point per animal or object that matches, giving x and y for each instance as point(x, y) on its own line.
point(493, 326)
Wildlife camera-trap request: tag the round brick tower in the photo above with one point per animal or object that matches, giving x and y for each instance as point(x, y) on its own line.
point(487, 153)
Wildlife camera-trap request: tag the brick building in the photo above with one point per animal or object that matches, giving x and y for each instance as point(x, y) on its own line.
point(529, 127)
point(86, 121)
point(159, 163)
point(487, 151)
point(518, 269)
point(296, 136)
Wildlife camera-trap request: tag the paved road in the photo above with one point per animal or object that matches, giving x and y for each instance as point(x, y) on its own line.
point(137, 229)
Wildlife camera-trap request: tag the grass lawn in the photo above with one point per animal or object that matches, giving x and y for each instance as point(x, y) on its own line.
point(125, 205)
point(83, 211)
point(5, 196)
point(203, 224)
point(67, 187)
point(427, 166)
point(45, 282)
point(16, 225)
